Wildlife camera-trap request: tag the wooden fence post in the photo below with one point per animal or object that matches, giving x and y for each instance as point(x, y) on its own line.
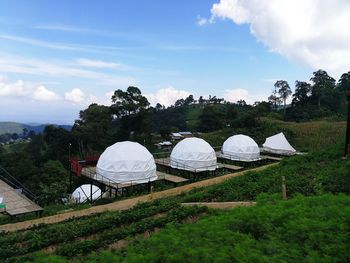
point(284, 189)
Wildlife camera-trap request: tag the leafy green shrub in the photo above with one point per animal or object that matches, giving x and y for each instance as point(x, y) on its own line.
point(303, 229)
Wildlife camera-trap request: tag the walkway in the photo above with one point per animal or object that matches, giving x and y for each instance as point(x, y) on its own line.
point(125, 204)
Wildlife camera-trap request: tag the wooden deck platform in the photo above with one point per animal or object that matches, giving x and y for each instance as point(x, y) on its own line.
point(170, 178)
point(232, 167)
point(16, 202)
point(163, 161)
point(91, 173)
point(271, 158)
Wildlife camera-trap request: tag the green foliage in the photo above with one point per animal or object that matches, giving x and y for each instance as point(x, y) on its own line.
point(92, 130)
point(128, 102)
point(54, 182)
point(312, 229)
point(210, 119)
point(315, 173)
point(15, 244)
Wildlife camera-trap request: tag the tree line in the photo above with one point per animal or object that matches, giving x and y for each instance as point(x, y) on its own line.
point(320, 97)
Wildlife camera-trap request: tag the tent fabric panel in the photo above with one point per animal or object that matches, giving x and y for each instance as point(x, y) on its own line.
point(278, 144)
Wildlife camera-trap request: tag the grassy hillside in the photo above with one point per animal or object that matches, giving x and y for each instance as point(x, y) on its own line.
point(304, 136)
point(313, 229)
point(15, 127)
point(10, 127)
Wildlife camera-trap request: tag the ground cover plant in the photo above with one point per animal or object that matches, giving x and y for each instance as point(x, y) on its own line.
point(303, 229)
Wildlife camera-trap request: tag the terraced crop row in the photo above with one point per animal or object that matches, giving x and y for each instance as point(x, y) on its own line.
point(113, 234)
point(20, 243)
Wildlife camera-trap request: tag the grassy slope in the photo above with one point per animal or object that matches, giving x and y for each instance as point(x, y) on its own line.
point(305, 136)
point(10, 127)
point(313, 229)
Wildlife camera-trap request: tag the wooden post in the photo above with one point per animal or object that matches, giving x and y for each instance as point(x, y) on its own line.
point(284, 189)
point(151, 192)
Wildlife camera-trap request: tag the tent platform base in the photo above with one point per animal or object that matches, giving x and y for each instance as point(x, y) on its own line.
point(90, 172)
point(274, 158)
point(232, 167)
point(171, 178)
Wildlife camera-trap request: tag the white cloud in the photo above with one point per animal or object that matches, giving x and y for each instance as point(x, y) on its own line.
point(167, 96)
point(15, 64)
point(75, 96)
point(313, 32)
point(201, 21)
point(22, 88)
point(64, 28)
point(97, 63)
point(234, 95)
point(43, 94)
point(17, 88)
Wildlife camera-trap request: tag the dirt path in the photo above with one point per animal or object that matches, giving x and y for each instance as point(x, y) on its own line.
point(124, 204)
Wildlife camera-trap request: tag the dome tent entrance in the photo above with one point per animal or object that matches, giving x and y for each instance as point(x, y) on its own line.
point(126, 162)
point(240, 148)
point(193, 154)
point(83, 193)
point(278, 144)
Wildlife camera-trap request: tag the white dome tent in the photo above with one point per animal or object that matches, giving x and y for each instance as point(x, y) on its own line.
point(193, 154)
point(126, 162)
point(240, 148)
point(278, 144)
point(83, 193)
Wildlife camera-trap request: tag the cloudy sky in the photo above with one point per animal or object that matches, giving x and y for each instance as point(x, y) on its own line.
point(57, 57)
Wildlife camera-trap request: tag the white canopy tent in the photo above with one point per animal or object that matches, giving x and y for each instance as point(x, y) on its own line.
point(278, 144)
point(126, 162)
point(240, 148)
point(83, 193)
point(193, 154)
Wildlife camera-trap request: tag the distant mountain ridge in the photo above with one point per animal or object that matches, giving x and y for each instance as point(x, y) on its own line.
point(16, 127)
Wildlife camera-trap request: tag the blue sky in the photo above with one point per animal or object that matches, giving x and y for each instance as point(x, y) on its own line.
point(56, 57)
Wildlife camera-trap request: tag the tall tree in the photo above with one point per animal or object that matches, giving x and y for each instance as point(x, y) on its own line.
point(322, 83)
point(92, 129)
point(128, 102)
point(302, 92)
point(179, 103)
point(344, 82)
point(284, 91)
point(344, 85)
point(189, 100)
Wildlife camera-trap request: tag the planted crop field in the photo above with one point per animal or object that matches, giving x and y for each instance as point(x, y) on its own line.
point(83, 235)
point(304, 229)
